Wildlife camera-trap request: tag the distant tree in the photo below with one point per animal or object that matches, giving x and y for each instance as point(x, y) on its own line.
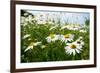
point(87, 22)
point(24, 11)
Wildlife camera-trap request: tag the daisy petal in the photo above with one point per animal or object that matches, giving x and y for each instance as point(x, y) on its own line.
point(77, 51)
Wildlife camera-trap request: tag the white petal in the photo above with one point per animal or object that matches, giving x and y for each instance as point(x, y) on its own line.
point(26, 36)
point(79, 46)
point(37, 43)
point(70, 51)
point(66, 48)
point(48, 39)
point(29, 47)
point(82, 43)
point(68, 43)
point(73, 52)
point(77, 51)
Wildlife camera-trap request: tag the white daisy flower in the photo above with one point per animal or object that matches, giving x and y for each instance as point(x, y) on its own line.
point(70, 27)
point(73, 48)
point(80, 38)
point(26, 36)
point(22, 20)
point(83, 31)
point(32, 44)
point(41, 18)
point(61, 37)
point(73, 28)
point(29, 19)
point(52, 37)
point(24, 24)
point(68, 37)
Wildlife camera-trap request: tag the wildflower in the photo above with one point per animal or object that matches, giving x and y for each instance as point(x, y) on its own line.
point(83, 31)
point(73, 48)
point(71, 27)
point(52, 37)
point(68, 37)
point(22, 20)
point(32, 44)
point(80, 38)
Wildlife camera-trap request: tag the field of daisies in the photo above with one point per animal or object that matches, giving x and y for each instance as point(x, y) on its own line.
point(46, 39)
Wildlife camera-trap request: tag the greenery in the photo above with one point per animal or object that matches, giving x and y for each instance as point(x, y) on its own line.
point(55, 50)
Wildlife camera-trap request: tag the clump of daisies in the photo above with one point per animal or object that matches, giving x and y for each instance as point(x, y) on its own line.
point(74, 47)
point(64, 38)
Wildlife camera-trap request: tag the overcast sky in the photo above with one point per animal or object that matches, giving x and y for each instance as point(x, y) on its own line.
point(69, 17)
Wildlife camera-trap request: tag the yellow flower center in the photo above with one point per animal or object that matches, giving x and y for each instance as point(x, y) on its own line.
point(31, 43)
point(52, 36)
point(67, 36)
point(72, 46)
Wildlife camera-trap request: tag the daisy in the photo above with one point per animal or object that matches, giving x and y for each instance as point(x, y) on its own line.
point(73, 48)
point(68, 37)
point(22, 20)
point(24, 24)
point(41, 18)
point(70, 27)
point(29, 19)
point(52, 37)
point(73, 28)
point(61, 37)
point(83, 31)
point(32, 44)
point(80, 38)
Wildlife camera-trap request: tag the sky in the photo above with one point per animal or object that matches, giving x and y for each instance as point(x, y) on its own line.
point(69, 17)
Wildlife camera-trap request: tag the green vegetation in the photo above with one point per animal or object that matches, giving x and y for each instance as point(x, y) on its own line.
point(38, 43)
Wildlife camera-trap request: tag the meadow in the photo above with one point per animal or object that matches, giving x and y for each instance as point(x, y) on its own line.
point(43, 42)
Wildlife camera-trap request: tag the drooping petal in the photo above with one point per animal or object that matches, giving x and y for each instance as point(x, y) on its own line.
point(77, 50)
point(73, 51)
point(29, 47)
point(26, 36)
